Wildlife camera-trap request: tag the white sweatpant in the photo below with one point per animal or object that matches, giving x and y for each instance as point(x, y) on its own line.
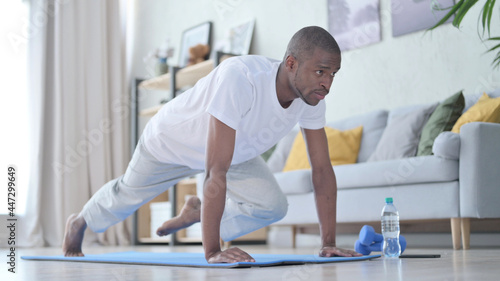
point(253, 200)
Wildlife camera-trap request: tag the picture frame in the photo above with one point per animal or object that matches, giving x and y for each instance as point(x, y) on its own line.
point(354, 24)
point(241, 38)
point(200, 34)
point(416, 15)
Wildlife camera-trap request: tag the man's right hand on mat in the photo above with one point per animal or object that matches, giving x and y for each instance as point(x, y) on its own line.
point(330, 251)
point(230, 255)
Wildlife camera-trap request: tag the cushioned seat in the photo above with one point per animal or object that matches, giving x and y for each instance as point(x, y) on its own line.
point(397, 172)
point(372, 174)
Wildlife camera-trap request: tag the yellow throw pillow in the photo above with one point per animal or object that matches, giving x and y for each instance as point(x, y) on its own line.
point(343, 147)
point(485, 110)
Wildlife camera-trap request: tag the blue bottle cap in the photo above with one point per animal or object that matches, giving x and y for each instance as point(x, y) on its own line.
point(388, 200)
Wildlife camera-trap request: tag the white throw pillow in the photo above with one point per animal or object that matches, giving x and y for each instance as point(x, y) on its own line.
point(402, 135)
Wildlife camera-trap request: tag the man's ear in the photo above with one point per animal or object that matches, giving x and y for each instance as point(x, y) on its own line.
point(291, 62)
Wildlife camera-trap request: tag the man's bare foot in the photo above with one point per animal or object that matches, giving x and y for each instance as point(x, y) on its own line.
point(189, 215)
point(73, 236)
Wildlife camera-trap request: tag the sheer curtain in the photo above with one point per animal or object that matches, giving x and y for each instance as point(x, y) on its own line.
point(80, 114)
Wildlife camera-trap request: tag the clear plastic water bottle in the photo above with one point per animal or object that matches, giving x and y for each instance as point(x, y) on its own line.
point(390, 230)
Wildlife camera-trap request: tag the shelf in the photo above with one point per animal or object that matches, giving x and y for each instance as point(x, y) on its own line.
point(148, 240)
point(187, 76)
point(189, 239)
point(184, 77)
point(143, 225)
point(150, 111)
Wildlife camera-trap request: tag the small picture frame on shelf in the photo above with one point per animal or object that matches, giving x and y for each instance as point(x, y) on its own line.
point(241, 38)
point(200, 34)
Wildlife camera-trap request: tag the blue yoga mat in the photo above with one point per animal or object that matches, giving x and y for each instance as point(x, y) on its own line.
point(196, 259)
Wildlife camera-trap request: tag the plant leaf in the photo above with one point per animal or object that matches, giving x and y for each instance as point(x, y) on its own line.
point(460, 9)
point(496, 61)
point(452, 11)
point(494, 48)
point(487, 12)
point(463, 11)
point(490, 14)
point(484, 13)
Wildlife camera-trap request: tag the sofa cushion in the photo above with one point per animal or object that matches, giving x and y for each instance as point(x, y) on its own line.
point(343, 149)
point(485, 110)
point(422, 169)
point(402, 134)
point(447, 145)
point(405, 110)
point(373, 126)
point(442, 119)
point(295, 182)
point(472, 99)
point(414, 170)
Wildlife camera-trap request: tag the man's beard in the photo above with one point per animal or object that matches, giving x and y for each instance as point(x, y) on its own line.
point(302, 96)
point(299, 91)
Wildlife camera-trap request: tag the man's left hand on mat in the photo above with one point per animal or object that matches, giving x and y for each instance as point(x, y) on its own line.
point(231, 255)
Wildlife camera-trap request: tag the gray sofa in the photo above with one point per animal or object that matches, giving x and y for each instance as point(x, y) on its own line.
point(461, 180)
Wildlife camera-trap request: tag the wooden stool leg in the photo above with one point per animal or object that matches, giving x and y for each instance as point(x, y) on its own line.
point(455, 232)
point(294, 236)
point(465, 225)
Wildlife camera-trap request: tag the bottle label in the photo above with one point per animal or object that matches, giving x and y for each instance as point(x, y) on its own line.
point(391, 234)
point(390, 224)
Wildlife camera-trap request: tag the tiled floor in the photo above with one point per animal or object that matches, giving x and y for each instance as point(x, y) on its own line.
point(474, 264)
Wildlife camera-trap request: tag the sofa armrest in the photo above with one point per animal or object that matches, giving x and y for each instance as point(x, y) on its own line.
point(479, 170)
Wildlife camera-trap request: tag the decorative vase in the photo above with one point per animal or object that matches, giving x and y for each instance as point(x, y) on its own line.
point(161, 66)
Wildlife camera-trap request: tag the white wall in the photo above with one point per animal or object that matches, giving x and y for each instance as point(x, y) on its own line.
point(415, 68)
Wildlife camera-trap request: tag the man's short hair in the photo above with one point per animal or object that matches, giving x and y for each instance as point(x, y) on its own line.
point(304, 41)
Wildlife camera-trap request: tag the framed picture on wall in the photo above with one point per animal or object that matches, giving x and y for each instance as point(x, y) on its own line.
point(415, 15)
point(354, 24)
point(200, 34)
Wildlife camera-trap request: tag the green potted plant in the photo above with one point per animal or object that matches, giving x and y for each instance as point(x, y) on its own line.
point(460, 9)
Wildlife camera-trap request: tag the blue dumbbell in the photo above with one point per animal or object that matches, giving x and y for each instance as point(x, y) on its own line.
point(368, 236)
point(376, 247)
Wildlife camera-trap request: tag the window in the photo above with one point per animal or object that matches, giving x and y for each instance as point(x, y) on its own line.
point(14, 140)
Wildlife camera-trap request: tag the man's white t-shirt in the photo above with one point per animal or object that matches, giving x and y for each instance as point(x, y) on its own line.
point(241, 93)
